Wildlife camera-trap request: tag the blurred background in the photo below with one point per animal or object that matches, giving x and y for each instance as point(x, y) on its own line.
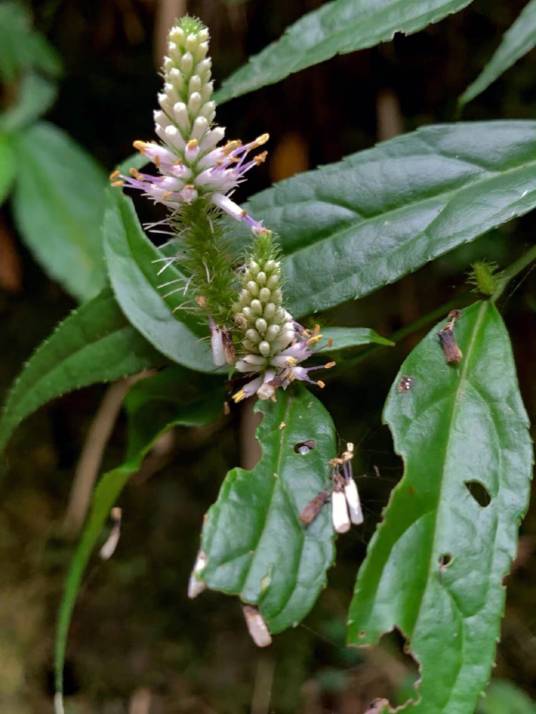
point(137, 645)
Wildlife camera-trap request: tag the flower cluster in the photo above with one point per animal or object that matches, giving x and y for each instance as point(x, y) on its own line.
point(272, 345)
point(190, 163)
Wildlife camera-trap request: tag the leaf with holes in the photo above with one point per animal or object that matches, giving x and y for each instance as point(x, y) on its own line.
point(337, 27)
point(256, 546)
point(379, 214)
point(58, 205)
point(436, 565)
point(154, 406)
point(133, 264)
point(520, 39)
point(95, 343)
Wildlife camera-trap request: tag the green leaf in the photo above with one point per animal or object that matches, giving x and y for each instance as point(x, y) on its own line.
point(163, 411)
point(503, 697)
point(380, 214)
point(21, 48)
point(337, 27)
point(94, 344)
point(256, 546)
point(436, 565)
point(520, 39)
point(343, 338)
point(133, 266)
point(7, 167)
point(58, 205)
point(35, 97)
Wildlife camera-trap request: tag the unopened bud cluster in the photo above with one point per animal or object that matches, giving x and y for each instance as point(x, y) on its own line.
point(266, 326)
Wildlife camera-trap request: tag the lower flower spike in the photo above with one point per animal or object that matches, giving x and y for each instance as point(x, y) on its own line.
point(257, 626)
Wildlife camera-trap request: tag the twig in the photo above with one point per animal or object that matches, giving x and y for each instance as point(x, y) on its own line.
point(90, 460)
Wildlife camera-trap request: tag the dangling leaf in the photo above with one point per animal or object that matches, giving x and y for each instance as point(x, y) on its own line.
point(96, 343)
point(58, 205)
point(256, 546)
point(134, 263)
point(352, 227)
point(154, 406)
point(337, 27)
point(520, 39)
point(436, 565)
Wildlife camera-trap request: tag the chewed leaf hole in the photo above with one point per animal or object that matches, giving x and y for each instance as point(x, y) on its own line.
point(445, 559)
point(479, 492)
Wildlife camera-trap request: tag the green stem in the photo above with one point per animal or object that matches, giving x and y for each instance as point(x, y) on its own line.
point(512, 270)
point(407, 330)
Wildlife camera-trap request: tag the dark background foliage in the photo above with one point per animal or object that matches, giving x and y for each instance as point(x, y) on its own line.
point(137, 644)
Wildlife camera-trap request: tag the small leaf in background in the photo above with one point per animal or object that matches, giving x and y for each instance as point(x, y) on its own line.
point(503, 697)
point(58, 206)
point(21, 47)
point(436, 564)
point(95, 343)
point(133, 264)
point(520, 39)
point(337, 27)
point(7, 167)
point(382, 213)
point(160, 402)
point(256, 546)
point(343, 338)
point(35, 97)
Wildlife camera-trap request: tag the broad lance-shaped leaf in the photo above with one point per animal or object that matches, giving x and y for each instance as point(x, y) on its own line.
point(95, 343)
point(337, 27)
point(58, 205)
point(436, 565)
point(382, 213)
point(520, 39)
point(154, 406)
point(134, 263)
point(256, 546)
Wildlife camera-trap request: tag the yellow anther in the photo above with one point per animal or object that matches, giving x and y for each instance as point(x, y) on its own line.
point(117, 183)
point(314, 339)
point(167, 195)
point(231, 146)
point(329, 365)
point(238, 396)
point(192, 145)
point(262, 139)
point(139, 145)
point(292, 361)
point(134, 173)
point(115, 174)
point(260, 158)
point(330, 341)
point(320, 384)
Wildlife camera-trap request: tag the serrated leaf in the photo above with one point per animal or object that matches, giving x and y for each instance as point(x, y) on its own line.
point(160, 402)
point(343, 338)
point(337, 27)
point(382, 213)
point(35, 97)
point(520, 39)
point(256, 546)
point(58, 205)
point(7, 167)
point(436, 565)
point(133, 264)
point(95, 343)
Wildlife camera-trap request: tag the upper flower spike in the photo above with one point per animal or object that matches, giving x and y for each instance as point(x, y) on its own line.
point(190, 161)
